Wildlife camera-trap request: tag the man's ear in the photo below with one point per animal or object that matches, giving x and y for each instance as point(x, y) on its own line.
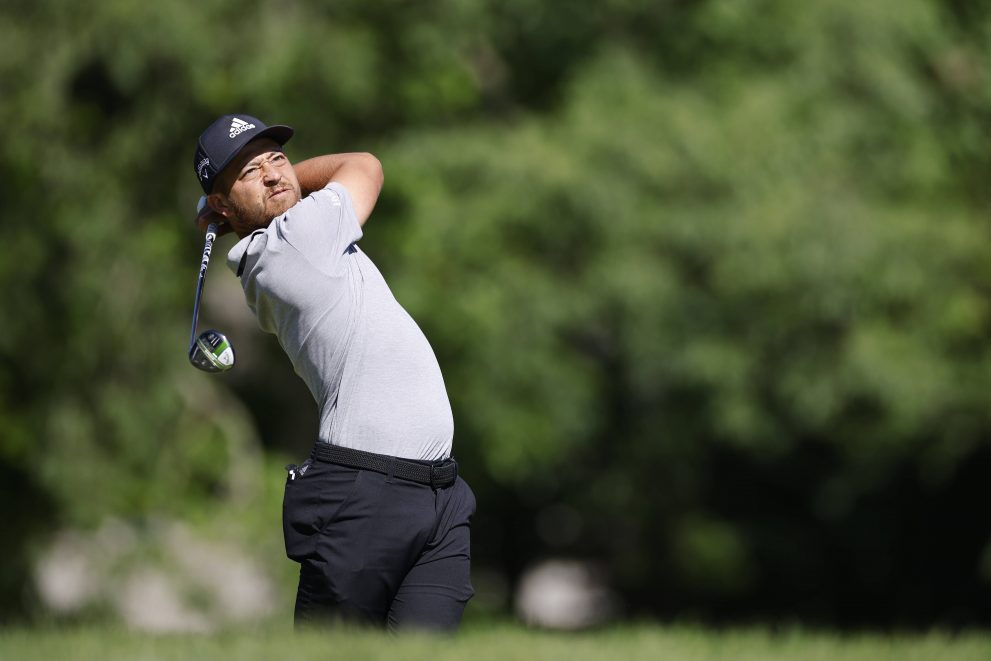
point(219, 204)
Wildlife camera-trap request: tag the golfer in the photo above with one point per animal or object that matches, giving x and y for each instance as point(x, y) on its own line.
point(377, 516)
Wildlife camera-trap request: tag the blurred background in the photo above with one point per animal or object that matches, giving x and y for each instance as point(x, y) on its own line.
point(709, 282)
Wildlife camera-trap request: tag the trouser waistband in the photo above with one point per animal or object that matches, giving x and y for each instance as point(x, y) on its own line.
point(437, 475)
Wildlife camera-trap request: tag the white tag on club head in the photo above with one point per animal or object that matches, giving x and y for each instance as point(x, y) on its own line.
point(225, 357)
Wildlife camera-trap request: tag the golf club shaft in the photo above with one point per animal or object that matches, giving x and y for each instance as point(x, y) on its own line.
point(211, 234)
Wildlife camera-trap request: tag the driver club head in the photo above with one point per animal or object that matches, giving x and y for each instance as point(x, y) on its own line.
point(212, 352)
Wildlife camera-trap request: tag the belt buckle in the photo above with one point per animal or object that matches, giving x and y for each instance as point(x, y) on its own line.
point(435, 472)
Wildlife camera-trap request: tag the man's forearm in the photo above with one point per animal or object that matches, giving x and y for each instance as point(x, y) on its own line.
point(315, 173)
point(359, 172)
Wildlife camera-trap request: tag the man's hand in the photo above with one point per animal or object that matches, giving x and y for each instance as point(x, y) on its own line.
point(205, 215)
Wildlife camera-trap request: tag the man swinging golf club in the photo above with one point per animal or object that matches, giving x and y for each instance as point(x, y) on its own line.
point(377, 516)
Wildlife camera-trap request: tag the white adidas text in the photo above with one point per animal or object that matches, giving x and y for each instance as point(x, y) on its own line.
point(239, 126)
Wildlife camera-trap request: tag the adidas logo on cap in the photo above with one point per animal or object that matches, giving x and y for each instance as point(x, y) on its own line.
point(239, 126)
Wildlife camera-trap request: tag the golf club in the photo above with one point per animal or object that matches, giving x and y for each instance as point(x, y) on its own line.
point(211, 351)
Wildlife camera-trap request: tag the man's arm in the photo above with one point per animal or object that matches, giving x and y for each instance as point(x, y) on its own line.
point(360, 173)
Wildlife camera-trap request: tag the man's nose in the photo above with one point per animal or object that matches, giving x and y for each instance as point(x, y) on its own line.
point(270, 173)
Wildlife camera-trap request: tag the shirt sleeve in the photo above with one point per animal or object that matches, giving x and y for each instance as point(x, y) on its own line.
point(323, 225)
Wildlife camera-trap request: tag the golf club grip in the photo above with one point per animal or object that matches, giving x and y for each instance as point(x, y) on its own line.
point(211, 234)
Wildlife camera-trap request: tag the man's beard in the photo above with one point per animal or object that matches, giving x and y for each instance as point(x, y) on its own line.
point(255, 219)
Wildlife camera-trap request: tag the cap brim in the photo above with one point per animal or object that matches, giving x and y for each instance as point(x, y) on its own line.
point(280, 133)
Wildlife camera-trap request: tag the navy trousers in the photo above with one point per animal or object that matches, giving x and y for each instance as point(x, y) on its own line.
point(376, 549)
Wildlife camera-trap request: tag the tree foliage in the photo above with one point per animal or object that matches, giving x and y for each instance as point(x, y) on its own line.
point(707, 280)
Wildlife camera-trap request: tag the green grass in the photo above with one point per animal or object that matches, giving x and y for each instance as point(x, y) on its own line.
point(488, 642)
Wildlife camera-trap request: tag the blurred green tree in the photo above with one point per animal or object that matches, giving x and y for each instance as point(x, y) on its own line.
point(711, 276)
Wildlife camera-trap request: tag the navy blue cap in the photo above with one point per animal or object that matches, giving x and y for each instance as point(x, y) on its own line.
point(222, 140)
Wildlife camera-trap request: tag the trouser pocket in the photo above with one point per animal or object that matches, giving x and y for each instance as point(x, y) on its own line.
point(313, 497)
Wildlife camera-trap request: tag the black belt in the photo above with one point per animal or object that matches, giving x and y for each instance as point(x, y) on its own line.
point(437, 475)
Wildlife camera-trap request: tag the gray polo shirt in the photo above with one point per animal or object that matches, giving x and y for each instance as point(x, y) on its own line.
point(369, 366)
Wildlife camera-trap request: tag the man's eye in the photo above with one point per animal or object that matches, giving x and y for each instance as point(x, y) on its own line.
point(248, 172)
point(278, 158)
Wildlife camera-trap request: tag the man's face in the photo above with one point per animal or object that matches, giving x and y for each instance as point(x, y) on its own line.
point(260, 183)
